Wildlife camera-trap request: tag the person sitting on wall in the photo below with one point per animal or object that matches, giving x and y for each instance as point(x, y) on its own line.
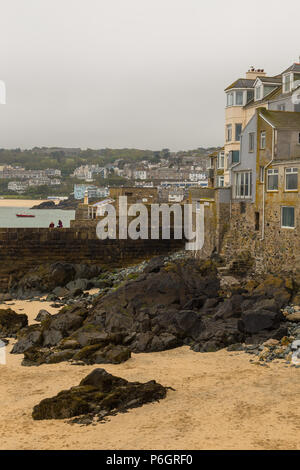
point(60, 224)
point(51, 225)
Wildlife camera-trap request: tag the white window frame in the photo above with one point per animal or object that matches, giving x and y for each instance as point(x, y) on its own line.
point(240, 182)
point(228, 126)
point(262, 140)
point(219, 178)
point(221, 158)
point(284, 82)
point(230, 99)
point(290, 171)
point(281, 218)
point(258, 92)
point(235, 101)
point(272, 172)
point(211, 163)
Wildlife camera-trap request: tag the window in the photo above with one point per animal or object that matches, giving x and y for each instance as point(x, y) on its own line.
point(263, 140)
point(243, 184)
point(238, 131)
point(239, 98)
point(299, 138)
point(211, 163)
point(228, 132)
point(281, 107)
point(287, 83)
point(258, 92)
point(220, 181)
point(261, 174)
point(229, 99)
point(251, 141)
point(291, 179)
point(272, 180)
point(235, 156)
point(250, 95)
point(288, 217)
point(221, 160)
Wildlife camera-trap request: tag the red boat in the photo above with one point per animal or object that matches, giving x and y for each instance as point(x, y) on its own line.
point(25, 215)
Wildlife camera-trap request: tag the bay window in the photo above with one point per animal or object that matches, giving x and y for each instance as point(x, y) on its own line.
point(243, 185)
point(229, 133)
point(239, 98)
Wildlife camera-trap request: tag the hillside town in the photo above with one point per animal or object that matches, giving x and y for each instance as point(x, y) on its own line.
point(172, 173)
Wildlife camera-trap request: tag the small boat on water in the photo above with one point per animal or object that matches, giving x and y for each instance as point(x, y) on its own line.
point(25, 215)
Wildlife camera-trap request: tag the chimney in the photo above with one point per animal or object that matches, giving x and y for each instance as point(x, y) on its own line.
point(253, 73)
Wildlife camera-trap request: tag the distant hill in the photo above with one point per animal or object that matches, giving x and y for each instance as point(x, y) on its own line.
point(67, 159)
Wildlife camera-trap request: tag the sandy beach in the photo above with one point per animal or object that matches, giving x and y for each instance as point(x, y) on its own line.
point(20, 202)
point(221, 401)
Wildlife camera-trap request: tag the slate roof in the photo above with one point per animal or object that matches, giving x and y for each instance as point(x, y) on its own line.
point(241, 83)
point(293, 68)
point(276, 80)
point(282, 119)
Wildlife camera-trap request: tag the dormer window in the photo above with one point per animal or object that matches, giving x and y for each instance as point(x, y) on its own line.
point(287, 83)
point(258, 92)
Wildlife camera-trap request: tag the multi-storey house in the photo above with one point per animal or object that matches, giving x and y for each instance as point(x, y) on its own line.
point(244, 96)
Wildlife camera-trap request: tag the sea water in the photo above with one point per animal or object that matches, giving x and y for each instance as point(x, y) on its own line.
point(43, 217)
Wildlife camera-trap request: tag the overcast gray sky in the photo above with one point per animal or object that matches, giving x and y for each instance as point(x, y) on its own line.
point(133, 73)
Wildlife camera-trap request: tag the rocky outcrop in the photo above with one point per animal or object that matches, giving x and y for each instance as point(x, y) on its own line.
point(66, 204)
point(97, 396)
point(166, 306)
point(11, 322)
point(47, 278)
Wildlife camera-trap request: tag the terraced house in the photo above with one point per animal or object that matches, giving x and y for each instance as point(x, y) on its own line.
point(261, 168)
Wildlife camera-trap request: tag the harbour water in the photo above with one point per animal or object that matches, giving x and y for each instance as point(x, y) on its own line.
point(43, 217)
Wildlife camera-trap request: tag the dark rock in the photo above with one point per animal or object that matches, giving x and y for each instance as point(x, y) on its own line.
point(236, 347)
point(228, 309)
point(189, 323)
point(11, 322)
point(27, 338)
point(42, 315)
point(5, 297)
point(210, 346)
point(81, 284)
point(60, 292)
point(253, 321)
point(154, 265)
point(99, 392)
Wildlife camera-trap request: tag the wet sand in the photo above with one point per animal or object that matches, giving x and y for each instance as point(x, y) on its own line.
point(221, 401)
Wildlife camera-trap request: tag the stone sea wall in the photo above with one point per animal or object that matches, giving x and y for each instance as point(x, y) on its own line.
point(23, 249)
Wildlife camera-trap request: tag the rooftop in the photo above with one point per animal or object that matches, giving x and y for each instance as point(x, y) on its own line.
point(281, 119)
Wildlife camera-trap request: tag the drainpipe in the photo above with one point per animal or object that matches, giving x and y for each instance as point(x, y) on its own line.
point(264, 184)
